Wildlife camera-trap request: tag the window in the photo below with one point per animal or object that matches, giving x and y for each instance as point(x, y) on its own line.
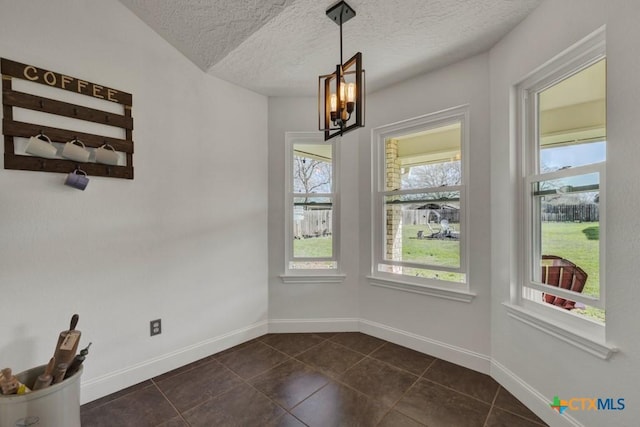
point(311, 237)
point(419, 201)
point(563, 127)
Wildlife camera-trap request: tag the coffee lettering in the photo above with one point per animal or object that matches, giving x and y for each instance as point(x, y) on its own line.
point(64, 80)
point(110, 93)
point(50, 78)
point(96, 90)
point(81, 85)
point(31, 68)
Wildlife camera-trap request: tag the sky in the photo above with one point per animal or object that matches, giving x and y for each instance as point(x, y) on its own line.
point(573, 155)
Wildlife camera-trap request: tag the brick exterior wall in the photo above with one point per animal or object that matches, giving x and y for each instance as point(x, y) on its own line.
point(393, 213)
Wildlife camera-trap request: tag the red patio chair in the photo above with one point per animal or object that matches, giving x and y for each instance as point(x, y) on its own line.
point(557, 271)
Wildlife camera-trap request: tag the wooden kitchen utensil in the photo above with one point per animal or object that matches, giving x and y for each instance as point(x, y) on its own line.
point(77, 361)
point(68, 343)
point(45, 379)
point(58, 374)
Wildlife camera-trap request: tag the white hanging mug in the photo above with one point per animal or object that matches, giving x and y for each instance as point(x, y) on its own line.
point(75, 150)
point(41, 148)
point(107, 155)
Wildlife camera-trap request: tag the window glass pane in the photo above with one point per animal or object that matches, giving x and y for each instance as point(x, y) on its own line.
point(427, 159)
point(572, 120)
point(312, 168)
point(553, 158)
point(312, 227)
point(580, 309)
point(422, 231)
point(423, 272)
point(569, 222)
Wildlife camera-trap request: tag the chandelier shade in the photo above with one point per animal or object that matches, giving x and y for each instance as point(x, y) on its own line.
point(341, 94)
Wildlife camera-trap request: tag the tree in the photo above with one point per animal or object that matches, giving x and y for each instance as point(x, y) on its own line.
point(311, 176)
point(432, 176)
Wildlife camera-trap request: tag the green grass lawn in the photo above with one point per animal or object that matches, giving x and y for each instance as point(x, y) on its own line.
point(577, 242)
point(441, 252)
point(314, 247)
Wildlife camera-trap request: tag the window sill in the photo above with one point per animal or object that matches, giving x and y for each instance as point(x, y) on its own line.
point(450, 294)
point(592, 346)
point(313, 278)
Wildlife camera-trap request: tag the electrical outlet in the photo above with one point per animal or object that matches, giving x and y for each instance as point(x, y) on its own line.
point(155, 327)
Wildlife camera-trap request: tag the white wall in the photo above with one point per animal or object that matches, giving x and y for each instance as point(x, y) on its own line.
point(323, 306)
point(462, 325)
point(458, 324)
point(174, 243)
point(539, 366)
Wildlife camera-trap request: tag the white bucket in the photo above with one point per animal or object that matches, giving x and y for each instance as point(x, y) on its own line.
point(54, 406)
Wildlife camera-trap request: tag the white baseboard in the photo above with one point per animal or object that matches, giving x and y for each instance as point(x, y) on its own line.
point(112, 382)
point(283, 326)
point(454, 354)
point(103, 385)
point(460, 356)
point(531, 398)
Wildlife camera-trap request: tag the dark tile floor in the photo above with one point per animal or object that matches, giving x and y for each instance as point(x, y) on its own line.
point(343, 379)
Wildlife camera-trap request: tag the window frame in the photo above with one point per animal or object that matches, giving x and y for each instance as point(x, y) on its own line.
point(430, 286)
point(330, 275)
point(556, 321)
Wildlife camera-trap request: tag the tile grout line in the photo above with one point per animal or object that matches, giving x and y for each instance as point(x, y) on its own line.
point(433, 362)
point(286, 411)
point(289, 358)
point(369, 356)
point(494, 405)
point(170, 403)
point(457, 391)
point(359, 352)
point(400, 398)
point(245, 381)
point(294, 358)
point(331, 378)
point(521, 416)
point(307, 398)
point(493, 402)
point(117, 398)
point(215, 396)
point(419, 377)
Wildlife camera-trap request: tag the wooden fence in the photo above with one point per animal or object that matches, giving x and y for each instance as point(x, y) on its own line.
point(312, 223)
point(584, 212)
point(424, 216)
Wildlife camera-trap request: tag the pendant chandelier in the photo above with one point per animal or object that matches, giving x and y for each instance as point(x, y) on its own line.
point(341, 93)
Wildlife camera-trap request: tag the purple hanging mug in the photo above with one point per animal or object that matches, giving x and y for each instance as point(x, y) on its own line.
point(77, 179)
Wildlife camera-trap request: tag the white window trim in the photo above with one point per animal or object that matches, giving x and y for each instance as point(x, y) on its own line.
point(583, 333)
point(598, 168)
point(310, 275)
point(574, 336)
point(432, 287)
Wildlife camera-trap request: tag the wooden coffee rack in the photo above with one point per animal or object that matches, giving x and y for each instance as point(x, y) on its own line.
point(12, 129)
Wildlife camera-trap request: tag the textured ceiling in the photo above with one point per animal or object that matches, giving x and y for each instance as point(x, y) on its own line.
point(279, 47)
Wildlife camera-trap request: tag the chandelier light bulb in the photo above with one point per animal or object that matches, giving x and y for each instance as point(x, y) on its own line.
point(351, 92)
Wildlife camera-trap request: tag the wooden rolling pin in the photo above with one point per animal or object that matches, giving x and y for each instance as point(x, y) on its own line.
point(58, 374)
point(45, 379)
point(68, 343)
